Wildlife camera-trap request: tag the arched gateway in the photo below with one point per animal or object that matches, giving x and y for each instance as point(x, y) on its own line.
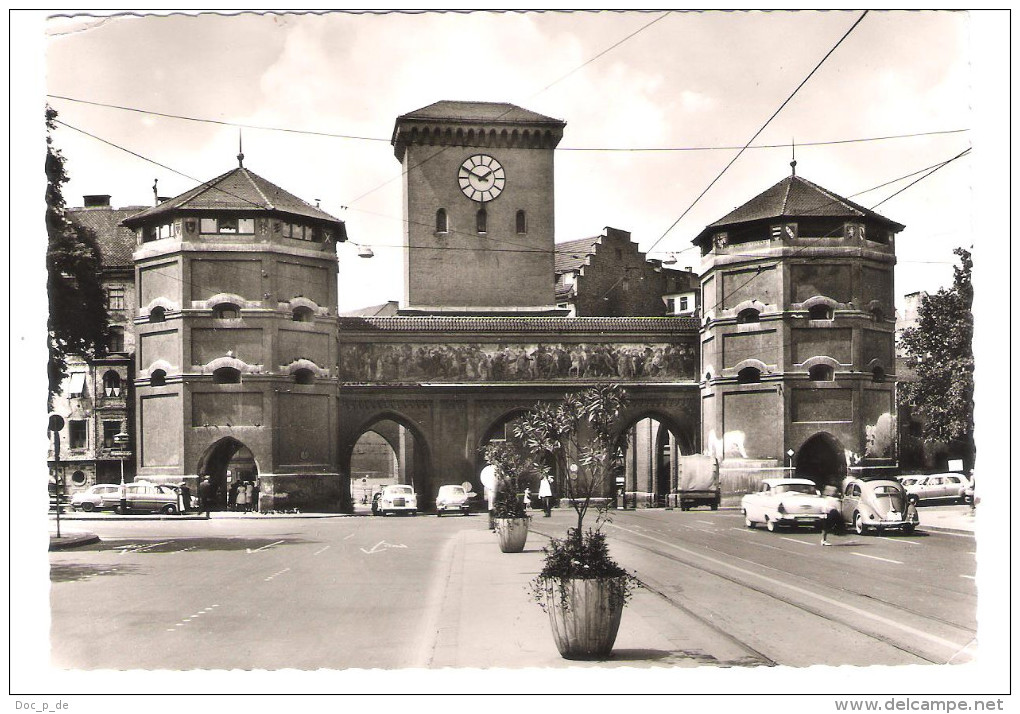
point(454, 382)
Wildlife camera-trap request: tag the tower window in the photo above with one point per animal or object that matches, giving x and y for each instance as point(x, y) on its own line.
point(482, 220)
point(228, 226)
point(522, 222)
point(116, 341)
point(304, 376)
point(157, 378)
point(157, 314)
point(820, 312)
point(878, 374)
point(302, 314)
point(227, 375)
point(227, 311)
point(442, 222)
point(111, 384)
point(821, 373)
point(115, 297)
point(749, 375)
point(747, 316)
point(877, 314)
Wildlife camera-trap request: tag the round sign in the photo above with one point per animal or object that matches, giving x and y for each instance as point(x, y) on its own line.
point(55, 422)
point(488, 476)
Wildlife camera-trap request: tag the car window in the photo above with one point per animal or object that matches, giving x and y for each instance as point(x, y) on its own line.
point(856, 490)
point(400, 489)
point(796, 488)
point(765, 488)
point(849, 490)
point(935, 481)
point(886, 491)
point(952, 479)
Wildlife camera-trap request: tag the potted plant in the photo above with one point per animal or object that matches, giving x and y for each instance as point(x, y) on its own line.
point(510, 517)
point(580, 586)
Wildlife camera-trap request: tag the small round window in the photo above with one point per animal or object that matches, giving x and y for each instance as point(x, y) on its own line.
point(304, 376)
point(78, 478)
point(820, 312)
point(821, 373)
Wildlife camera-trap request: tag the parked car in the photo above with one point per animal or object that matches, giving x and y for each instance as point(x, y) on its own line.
point(785, 502)
point(145, 496)
point(939, 487)
point(877, 505)
point(398, 499)
point(452, 498)
point(102, 496)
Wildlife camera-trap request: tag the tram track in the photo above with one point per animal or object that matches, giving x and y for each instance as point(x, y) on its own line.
point(914, 632)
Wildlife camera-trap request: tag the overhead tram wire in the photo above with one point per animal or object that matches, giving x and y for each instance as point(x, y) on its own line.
point(815, 241)
point(757, 133)
point(592, 149)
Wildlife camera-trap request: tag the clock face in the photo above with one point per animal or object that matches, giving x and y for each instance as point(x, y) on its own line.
point(481, 178)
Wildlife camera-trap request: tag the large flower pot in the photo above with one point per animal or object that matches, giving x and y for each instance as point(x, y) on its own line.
point(512, 532)
point(585, 616)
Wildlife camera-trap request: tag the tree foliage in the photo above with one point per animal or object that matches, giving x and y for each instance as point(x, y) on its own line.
point(940, 351)
point(77, 305)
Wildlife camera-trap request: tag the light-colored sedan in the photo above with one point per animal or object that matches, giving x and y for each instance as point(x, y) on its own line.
point(785, 502)
point(877, 505)
point(452, 498)
point(144, 496)
point(97, 498)
point(939, 487)
point(398, 499)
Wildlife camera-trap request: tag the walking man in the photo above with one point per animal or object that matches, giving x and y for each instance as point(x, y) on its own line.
point(205, 495)
point(545, 493)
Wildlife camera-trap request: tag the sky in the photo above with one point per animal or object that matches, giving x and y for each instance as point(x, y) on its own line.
point(655, 80)
point(620, 80)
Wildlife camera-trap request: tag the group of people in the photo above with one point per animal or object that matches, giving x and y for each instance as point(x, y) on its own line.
point(243, 496)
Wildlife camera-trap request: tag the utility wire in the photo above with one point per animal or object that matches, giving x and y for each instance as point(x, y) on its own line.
point(634, 149)
point(769, 121)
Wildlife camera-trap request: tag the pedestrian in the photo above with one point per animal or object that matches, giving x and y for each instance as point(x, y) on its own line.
point(255, 496)
point(249, 494)
point(527, 499)
point(232, 496)
point(832, 515)
point(205, 495)
point(241, 498)
point(185, 497)
point(545, 494)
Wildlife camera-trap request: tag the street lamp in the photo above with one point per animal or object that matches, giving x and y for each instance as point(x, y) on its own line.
point(120, 442)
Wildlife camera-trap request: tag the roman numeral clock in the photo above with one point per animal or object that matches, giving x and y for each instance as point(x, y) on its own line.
point(481, 178)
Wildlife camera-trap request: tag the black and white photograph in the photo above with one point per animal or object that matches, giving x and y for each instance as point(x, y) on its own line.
point(509, 352)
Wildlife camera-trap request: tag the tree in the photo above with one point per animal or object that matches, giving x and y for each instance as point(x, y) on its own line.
point(77, 322)
point(940, 351)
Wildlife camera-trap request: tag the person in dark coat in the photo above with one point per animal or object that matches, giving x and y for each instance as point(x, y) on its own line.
point(232, 496)
point(185, 497)
point(253, 504)
point(205, 495)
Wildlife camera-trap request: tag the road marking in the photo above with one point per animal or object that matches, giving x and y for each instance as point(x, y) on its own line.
point(875, 557)
point(384, 544)
point(264, 547)
point(281, 572)
point(899, 540)
point(969, 577)
point(794, 540)
point(349, 536)
point(860, 612)
point(320, 550)
point(707, 523)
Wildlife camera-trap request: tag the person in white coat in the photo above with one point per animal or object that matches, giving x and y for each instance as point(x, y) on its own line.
point(545, 493)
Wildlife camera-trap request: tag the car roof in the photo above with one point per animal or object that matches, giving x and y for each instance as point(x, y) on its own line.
point(780, 481)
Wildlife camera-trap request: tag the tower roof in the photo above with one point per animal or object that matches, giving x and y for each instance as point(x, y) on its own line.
point(237, 190)
point(795, 197)
point(502, 112)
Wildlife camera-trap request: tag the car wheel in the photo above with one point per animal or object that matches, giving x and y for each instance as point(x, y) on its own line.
point(859, 524)
point(770, 524)
point(908, 529)
point(88, 506)
point(715, 506)
point(168, 510)
point(747, 521)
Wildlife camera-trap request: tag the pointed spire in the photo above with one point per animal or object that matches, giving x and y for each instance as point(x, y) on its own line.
point(240, 151)
point(793, 163)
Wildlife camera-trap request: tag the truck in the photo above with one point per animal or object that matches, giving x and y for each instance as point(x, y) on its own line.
point(698, 482)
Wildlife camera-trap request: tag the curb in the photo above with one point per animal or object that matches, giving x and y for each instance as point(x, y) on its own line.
point(72, 541)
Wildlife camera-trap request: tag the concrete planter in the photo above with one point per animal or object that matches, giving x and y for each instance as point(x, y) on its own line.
point(584, 617)
point(512, 532)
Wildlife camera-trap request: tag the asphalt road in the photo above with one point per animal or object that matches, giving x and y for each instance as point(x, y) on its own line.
point(343, 593)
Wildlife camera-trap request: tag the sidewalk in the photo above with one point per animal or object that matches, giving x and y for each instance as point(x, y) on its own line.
point(951, 519)
point(488, 618)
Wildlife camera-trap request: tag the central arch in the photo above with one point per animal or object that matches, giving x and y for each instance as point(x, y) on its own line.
point(821, 459)
point(653, 443)
point(407, 450)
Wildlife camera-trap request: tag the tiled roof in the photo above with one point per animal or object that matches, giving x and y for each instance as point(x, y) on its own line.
point(479, 112)
point(116, 242)
point(387, 309)
point(238, 189)
point(571, 254)
point(548, 325)
point(796, 197)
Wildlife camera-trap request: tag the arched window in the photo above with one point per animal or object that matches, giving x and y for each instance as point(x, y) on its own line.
point(820, 312)
point(748, 315)
point(157, 314)
point(878, 374)
point(302, 314)
point(522, 222)
point(821, 373)
point(878, 314)
point(304, 376)
point(482, 220)
point(226, 375)
point(157, 378)
point(111, 384)
point(442, 223)
point(227, 311)
point(749, 375)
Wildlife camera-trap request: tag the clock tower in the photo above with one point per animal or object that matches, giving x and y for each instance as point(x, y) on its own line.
point(478, 208)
